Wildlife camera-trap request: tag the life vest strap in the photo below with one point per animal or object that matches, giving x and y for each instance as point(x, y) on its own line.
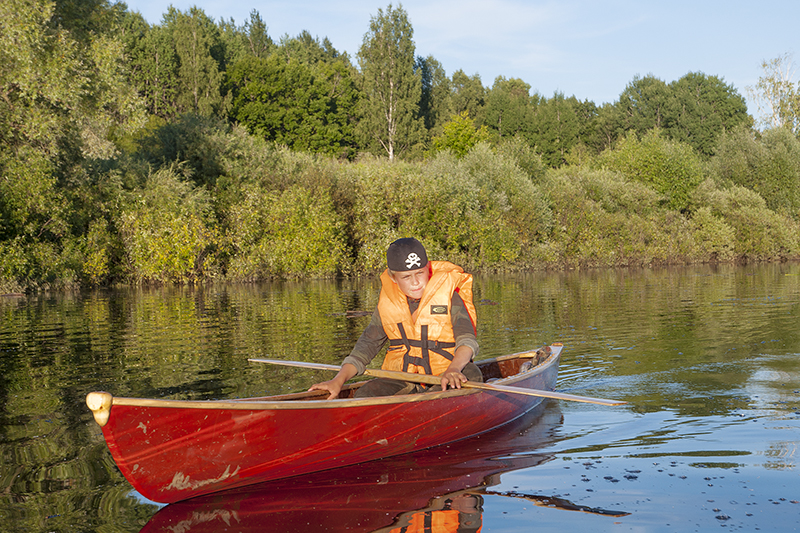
point(425, 347)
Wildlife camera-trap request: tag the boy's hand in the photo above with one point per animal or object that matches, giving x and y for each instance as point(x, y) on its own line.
point(332, 386)
point(453, 378)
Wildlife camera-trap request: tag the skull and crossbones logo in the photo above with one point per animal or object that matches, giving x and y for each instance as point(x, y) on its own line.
point(413, 260)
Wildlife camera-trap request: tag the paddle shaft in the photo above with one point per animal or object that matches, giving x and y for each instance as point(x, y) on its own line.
point(433, 380)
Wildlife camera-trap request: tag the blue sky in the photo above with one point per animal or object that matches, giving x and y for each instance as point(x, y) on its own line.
point(589, 49)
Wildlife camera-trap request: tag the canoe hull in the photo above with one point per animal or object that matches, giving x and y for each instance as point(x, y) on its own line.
point(366, 497)
point(174, 450)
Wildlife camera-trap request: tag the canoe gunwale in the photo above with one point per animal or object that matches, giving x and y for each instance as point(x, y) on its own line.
point(101, 402)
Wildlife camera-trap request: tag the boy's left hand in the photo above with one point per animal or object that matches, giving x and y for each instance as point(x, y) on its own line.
point(453, 378)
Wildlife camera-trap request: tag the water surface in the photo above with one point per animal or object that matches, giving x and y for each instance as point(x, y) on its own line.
point(707, 358)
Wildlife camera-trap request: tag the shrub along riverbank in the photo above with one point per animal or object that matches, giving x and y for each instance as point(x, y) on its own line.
point(198, 201)
point(183, 152)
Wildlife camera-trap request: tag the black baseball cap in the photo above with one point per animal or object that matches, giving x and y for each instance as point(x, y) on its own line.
point(406, 254)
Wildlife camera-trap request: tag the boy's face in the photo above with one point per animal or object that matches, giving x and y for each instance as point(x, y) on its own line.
point(412, 282)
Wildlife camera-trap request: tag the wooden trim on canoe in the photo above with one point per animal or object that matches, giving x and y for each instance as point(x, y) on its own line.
point(101, 402)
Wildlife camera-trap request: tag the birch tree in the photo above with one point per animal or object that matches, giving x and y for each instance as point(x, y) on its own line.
point(392, 88)
point(776, 94)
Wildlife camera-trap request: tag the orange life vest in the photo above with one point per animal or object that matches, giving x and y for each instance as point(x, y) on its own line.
point(423, 343)
point(443, 521)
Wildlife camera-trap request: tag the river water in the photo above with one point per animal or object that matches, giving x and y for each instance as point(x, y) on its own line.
point(708, 359)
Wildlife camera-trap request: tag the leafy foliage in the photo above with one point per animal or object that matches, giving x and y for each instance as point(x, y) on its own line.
point(601, 218)
point(703, 107)
point(153, 63)
point(460, 135)
point(249, 40)
point(31, 204)
point(55, 91)
point(555, 128)
point(467, 94)
point(294, 233)
point(481, 211)
point(526, 158)
point(759, 234)
point(435, 97)
point(695, 109)
point(777, 95)
point(671, 168)
point(769, 165)
point(507, 107)
point(642, 106)
point(200, 53)
point(307, 107)
point(167, 230)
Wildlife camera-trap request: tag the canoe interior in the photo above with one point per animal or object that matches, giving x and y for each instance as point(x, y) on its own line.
point(504, 368)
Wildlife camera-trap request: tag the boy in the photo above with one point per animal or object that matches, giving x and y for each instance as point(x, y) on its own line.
point(426, 313)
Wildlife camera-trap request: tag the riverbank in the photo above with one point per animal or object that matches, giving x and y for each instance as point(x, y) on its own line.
point(252, 211)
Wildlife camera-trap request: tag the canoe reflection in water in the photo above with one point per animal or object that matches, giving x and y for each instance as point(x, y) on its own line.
point(459, 512)
point(439, 488)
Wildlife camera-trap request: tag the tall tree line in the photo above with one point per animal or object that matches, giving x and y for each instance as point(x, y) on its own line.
point(303, 93)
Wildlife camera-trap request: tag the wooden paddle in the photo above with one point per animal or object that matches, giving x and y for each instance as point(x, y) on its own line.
point(433, 380)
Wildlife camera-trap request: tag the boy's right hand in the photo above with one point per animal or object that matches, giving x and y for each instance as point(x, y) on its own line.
point(332, 386)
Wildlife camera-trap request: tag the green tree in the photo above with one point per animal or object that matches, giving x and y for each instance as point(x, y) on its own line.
point(233, 41)
point(309, 50)
point(200, 74)
point(85, 19)
point(306, 107)
point(258, 40)
point(601, 127)
point(507, 110)
point(114, 108)
point(62, 101)
point(153, 64)
point(777, 95)
point(695, 109)
point(435, 100)
point(167, 230)
point(32, 206)
point(290, 233)
point(555, 128)
point(518, 150)
point(768, 164)
point(392, 89)
point(193, 141)
point(55, 90)
point(672, 168)
point(701, 108)
point(642, 106)
point(250, 39)
point(460, 135)
point(468, 94)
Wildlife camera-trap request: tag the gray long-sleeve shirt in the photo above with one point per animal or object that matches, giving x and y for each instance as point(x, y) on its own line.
point(373, 338)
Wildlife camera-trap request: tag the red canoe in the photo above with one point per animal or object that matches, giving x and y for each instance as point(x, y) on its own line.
point(171, 450)
point(379, 494)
